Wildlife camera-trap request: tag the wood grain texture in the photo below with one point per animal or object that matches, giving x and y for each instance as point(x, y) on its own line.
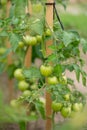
point(49, 20)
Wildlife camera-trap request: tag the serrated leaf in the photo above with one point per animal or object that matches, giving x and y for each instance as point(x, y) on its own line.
point(84, 45)
point(58, 70)
point(32, 72)
point(3, 33)
point(14, 39)
point(77, 71)
point(70, 37)
point(37, 26)
point(40, 108)
point(84, 80)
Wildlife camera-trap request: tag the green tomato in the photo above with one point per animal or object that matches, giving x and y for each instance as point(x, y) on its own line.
point(48, 32)
point(56, 106)
point(77, 107)
point(3, 2)
point(18, 74)
point(26, 93)
point(21, 44)
point(2, 50)
point(67, 97)
point(39, 38)
point(29, 40)
point(42, 100)
point(34, 87)
point(46, 70)
point(52, 80)
point(14, 103)
point(66, 111)
point(23, 85)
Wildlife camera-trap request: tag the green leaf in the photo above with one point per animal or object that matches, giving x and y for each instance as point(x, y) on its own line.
point(3, 33)
point(84, 45)
point(14, 39)
point(77, 71)
point(58, 70)
point(10, 70)
point(70, 37)
point(40, 108)
point(31, 72)
point(84, 80)
point(37, 26)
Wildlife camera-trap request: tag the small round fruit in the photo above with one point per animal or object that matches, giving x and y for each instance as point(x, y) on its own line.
point(56, 106)
point(42, 100)
point(48, 32)
point(77, 107)
point(26, 93)
point(3, 2)
point(39, 38)
point(66, 111)
point(67, 97)
point(23, 85)
point(33, 41)
point(2, 50)
point(34, 87)
point(46, 70)
point(14, 103)
point(18, 74)
point(52, 80)
point(21, 44)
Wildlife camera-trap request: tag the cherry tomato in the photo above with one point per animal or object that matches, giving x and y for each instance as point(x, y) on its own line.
point(67, 97)
point(2, 50)
point(46, 70)
point(77, 107)
point(14, 103)
point(26, 93)
point(29, 40)
point(52, 80)
point(39, 38)
point(34, 87)
point(18, 74)
point(3, 2)
point(21, 44)
point(23, 85)
point(48, 32)
point(66, 111)
point(56, 106)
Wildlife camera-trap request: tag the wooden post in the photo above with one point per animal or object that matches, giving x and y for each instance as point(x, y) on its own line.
point(28, 57)
point(49, 20)
point(10, 82)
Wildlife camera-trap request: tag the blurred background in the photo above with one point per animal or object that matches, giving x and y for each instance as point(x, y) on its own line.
point(74, 17)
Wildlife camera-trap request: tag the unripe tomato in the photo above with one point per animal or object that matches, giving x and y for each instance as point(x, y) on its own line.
point(67, 97)
point(52, 80)
point(34, 87)
point(29, 40)
point(66, 111)
point(21, 44)
point(2, 50)
point(39, 38)
point(14, 103)
point(18, 74)
point(33, 41)
point(56, 106)
point(3, 2)
point(27, 93)
point(23, 85)
point(77, 107)
point(48, 32)
point(46, 70)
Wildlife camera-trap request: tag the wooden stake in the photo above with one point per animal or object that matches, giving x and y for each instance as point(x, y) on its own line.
point(28, 57)
point(49, 20)
point(10, 82)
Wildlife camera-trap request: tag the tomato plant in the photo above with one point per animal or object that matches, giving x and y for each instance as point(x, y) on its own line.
point(23, 30)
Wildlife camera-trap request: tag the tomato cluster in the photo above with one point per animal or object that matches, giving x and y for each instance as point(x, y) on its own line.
point(23, 85)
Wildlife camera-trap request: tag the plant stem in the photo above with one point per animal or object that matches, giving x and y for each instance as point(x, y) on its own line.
point(22, 125)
